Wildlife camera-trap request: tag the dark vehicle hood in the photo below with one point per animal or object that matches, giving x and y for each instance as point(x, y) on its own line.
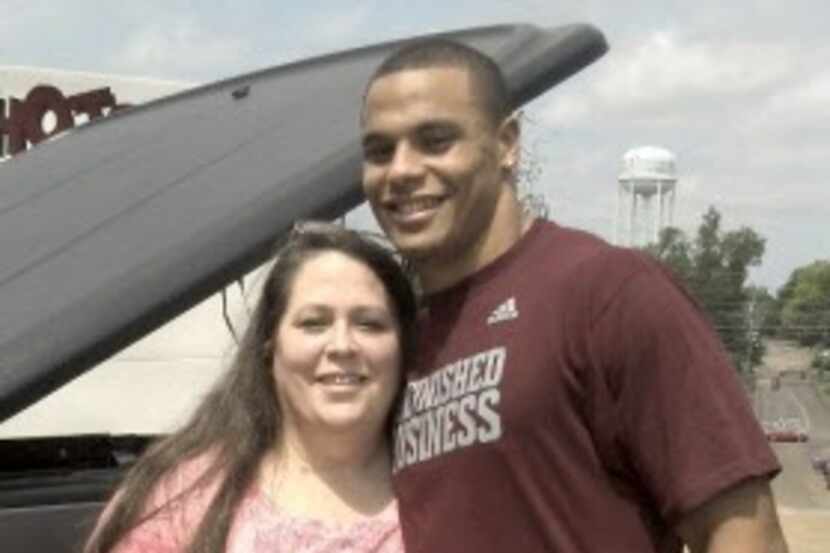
point(111, 231)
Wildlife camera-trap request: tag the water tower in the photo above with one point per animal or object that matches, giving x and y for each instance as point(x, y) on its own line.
point(646, 192)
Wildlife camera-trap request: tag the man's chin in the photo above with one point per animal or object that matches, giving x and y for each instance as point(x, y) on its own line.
point(414, 253)
point(416, 247)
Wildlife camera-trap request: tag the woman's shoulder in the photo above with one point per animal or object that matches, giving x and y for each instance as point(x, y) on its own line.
point(188, 481)
point(173, 508)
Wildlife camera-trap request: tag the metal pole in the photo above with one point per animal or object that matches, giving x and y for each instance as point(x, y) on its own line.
point(617, 214)
point(671, 204)
point(749, 332)
point(631, 212)
point(658, 216)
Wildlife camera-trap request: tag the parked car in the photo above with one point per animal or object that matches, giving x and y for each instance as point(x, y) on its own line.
point(787, 436)
point(785, 430)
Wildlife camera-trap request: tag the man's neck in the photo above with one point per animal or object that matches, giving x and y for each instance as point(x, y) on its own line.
point(440, 273)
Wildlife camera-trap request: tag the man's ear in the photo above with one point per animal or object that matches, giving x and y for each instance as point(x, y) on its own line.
point(509, 134)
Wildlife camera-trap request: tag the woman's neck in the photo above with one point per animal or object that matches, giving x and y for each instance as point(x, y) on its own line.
point(338, 480)
point(336, 451)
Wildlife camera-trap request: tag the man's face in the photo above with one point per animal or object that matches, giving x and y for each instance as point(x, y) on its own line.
point(434, 163)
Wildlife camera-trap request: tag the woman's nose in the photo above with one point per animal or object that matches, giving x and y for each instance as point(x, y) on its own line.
point(341, 340)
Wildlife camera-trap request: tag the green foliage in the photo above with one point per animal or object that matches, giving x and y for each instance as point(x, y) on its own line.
point(766, 312)
point(674, 249)
point(805, 305)
point(714, 266)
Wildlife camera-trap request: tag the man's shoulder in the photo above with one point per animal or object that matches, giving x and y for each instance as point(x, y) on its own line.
point(579, 269)
point(559, 234)
point(581, 253)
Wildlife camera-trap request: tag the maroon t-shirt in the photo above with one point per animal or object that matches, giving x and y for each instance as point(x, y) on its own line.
point(569, 397)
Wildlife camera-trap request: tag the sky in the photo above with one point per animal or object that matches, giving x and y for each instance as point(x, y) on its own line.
point(739, 91)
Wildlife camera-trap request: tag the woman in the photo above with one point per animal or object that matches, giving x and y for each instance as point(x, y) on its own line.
point(290, 451)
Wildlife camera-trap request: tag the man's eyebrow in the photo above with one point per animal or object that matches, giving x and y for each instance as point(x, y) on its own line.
point(371, 137)
point(443, 126)
point(437, 123)
point(426, 126)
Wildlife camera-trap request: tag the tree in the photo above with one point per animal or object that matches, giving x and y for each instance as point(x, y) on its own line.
point(805, 305)
point(715, 266)
point(766, 311)
point(527, 175)
point(674, 249)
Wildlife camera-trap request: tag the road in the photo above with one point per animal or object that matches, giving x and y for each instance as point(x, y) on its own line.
point(796, 404)
point(800, 491)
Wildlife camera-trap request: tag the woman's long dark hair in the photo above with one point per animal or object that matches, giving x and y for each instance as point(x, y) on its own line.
point(240, 420)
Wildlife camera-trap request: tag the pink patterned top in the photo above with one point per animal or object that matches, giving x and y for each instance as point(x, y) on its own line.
point(259, 526)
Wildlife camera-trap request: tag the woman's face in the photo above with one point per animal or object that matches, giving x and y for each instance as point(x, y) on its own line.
point(337, 350)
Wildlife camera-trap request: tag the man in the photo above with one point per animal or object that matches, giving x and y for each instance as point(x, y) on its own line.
point(568, 395)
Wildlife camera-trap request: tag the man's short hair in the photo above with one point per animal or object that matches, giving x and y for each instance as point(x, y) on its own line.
point(487, 79)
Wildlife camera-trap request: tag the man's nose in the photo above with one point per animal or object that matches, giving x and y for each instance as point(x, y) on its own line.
point(407, 163)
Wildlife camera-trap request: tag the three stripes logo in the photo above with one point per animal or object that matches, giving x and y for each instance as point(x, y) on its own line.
point(504, 312)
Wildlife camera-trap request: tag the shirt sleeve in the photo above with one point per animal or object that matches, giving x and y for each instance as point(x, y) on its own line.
point(683, 423)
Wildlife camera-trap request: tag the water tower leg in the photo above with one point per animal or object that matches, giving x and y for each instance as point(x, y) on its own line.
point(658, 214)
point(671, 207)
point(617, 216)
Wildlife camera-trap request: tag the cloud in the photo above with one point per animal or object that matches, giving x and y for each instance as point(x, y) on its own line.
point(20, 17)
point(665, 67)
point(341, 26)
point(314, 32)
point(664, 70)
point(743, 117)
point(565, 111)
point(180, 48)
point(800, 101)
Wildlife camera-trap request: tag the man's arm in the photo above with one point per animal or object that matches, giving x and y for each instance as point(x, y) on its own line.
point(741, 519)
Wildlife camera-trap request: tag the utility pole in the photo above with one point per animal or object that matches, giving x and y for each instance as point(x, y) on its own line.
point(750, 332)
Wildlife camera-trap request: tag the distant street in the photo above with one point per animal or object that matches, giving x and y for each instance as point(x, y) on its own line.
point(795, 405)
point(785, 399)
point(800, 491)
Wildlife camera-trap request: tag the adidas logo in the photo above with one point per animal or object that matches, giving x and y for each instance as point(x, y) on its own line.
point(504, 312)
